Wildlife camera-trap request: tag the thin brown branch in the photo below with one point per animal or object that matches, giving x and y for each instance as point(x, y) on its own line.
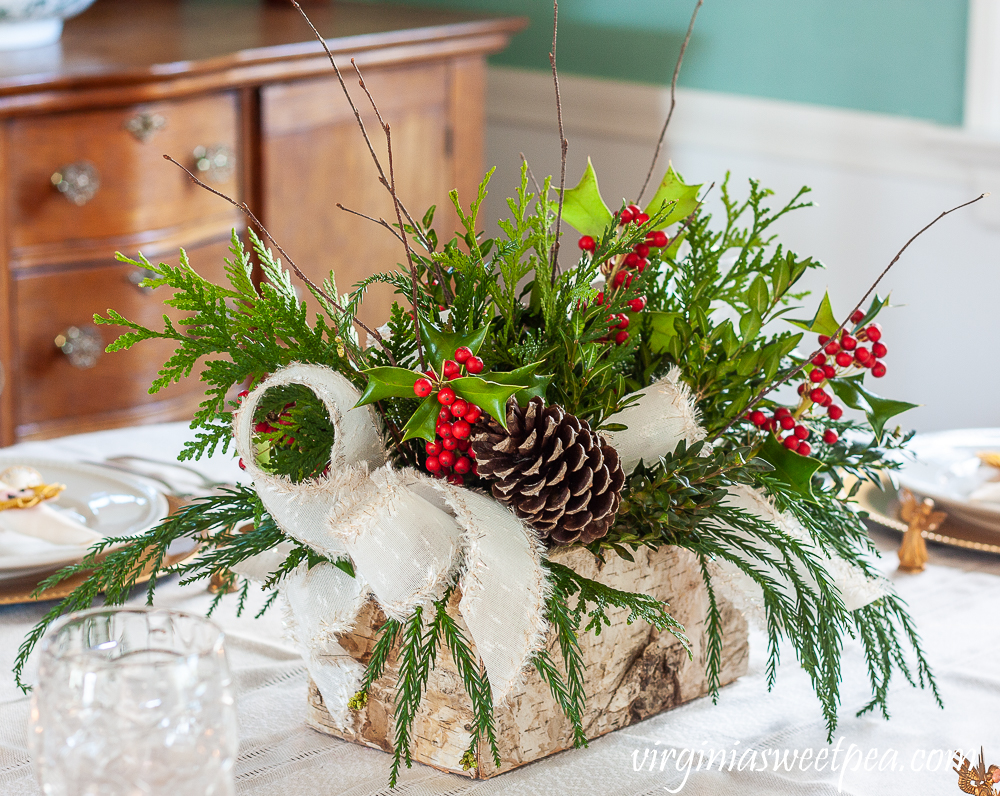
point(795, 371)
point(406, 247)
point(673, 102)
point(563, 143)
point(380, 221)
point(531, 175)
point(243, 208)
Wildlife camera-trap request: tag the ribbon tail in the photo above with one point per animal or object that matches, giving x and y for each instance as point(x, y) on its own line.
point(504, 589)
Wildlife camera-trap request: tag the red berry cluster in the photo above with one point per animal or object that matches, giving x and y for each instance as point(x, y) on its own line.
point(273, 424)
point(623, 269)
point(450, 454)
point(839, 358)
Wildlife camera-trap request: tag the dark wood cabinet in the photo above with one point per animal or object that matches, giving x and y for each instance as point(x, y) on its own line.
point(243, 97)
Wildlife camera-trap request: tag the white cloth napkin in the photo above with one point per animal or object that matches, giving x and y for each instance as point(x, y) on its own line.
point(24, 531)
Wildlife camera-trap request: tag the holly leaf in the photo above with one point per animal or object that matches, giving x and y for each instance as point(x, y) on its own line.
point(663, 330)
point(877, 305)
point(583, 207)
point(877, 409)
point(673, 190)
point(440, 345)
point(423, 423)
point(489, 396)
point(387, 382)
point(823, 322)
point(535, 385)
point(794, 469)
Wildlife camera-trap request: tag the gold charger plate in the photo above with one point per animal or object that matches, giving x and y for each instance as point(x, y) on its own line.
point(20, 590)
point(883, 509)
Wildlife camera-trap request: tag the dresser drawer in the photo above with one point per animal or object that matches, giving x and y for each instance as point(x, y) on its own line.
point(101, 174)
point(56, 384)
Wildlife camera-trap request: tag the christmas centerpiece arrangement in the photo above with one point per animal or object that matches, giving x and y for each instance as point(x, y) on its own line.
point(445, 491)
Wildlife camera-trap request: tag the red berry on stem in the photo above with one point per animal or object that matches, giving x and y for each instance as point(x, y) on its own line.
point(848, 343)
point(817, 395)
point(786, 422)
point(461, 429)
point(626, 216)
point(637, 304)
point(857, 316)
point(463, 466)
point(879, 350)
point(817, 375)
point(443, 430)
point(242, 394)
point(804, 449)
point(587, 243)
point(463, 445)
point(462, 354)
point(631, 260)
point(447, 458)
point(660, 239)
point(791, 442)
point(242, 466)
point(622, 322)
point(456, 479)
point(783, 411)
point(473, 414)
point(621, 338)
point(823, 339)
point(830, 436)
point(451, 368)
point(757, 417)
point(263, 427)
point(819, 359)
point(844, 359)
point(449, 444)
point(433, 448)
point(878, 370)
point(474, 365)
point(874, 332)
point(600, 299)
point(642, 249)
point(433, 464)
point(459, 408)
point(862, 354)
point(802, 388)
point(642, 265)
point(641, 219)
point(801, 432)
point(618, 280)
point(830, 371)
point(444, 416)
point(422, 388)
point(832, 347)
point(835, 412)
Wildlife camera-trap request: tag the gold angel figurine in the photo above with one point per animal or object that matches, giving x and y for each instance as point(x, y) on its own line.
point(978, 781)
point(919, 515)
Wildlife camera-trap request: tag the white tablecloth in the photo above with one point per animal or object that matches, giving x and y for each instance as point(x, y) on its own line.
point(956, 603)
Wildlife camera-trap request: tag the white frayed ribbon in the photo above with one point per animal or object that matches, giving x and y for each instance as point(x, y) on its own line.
point(664, 414)
point(408, 537)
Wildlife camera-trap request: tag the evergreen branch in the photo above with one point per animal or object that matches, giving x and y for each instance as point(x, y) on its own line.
point(550, 675)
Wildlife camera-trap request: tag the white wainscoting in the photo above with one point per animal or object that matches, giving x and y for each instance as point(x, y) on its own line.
point(876, 180)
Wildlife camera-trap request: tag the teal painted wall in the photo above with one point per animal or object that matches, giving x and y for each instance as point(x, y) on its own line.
point(903, 57)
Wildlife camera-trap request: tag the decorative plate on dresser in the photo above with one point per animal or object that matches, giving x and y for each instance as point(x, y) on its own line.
point(243, 96)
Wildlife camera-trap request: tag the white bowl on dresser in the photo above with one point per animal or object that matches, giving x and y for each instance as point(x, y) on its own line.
point(35, 23)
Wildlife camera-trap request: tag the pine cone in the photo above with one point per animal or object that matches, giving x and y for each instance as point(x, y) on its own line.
point(554, 472)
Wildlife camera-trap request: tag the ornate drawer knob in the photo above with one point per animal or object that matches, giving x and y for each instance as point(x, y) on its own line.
point(145, 125)
point(216, 163)
point(78, 182)
point(81, 345)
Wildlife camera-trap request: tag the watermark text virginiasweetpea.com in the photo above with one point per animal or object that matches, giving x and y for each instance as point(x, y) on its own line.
point(835, 760)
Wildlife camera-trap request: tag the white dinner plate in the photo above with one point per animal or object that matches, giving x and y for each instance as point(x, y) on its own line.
point(947, 470)
point(107, 501)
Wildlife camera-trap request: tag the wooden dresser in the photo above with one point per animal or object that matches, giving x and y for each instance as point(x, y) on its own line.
point(242, 95)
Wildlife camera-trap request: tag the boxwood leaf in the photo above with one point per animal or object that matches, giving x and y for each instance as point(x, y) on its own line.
point(583, 207)
point(387, 382)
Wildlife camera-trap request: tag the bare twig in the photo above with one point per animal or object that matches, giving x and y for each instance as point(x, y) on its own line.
point(380, 221)
point(243, 208)
point(563, 143)
point(774, 385)
point(673, 102)
point(357, 114)
point(531, 175)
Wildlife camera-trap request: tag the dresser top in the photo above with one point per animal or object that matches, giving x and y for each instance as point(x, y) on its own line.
point(119, 43)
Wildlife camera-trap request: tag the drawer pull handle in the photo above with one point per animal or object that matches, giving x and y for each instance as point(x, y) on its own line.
point(216, 163)
point(145, 125)
point(136, 277)
point(78, 182)
point(81, 345)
